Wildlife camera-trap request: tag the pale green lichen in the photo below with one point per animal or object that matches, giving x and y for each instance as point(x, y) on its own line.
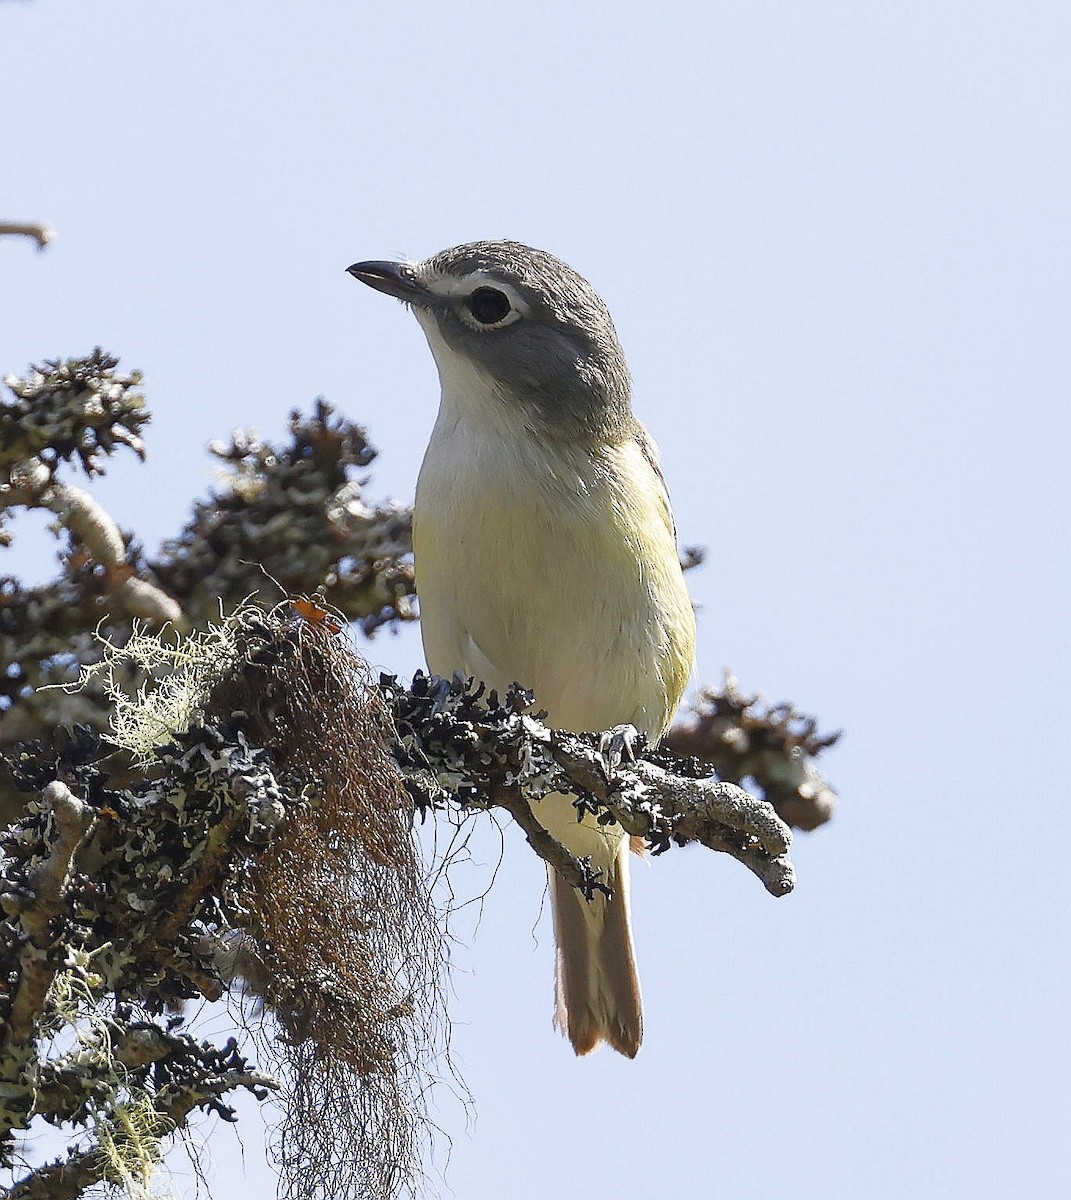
point(129, 1143)
point(178, 671)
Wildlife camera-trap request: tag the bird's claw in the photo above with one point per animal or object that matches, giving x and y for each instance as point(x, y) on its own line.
point(620, 744)
point(440, 691)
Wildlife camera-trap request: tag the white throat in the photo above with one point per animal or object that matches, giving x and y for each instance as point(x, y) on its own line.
point(484, 437)
point(470, 397)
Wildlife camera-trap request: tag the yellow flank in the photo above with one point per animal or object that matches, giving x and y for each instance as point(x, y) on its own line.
point(556, 568)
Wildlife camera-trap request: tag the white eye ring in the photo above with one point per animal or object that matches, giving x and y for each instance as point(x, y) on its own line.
point(488, 307)
point(458, 291)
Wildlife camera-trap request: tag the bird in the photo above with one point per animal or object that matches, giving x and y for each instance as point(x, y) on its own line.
point(545, 554)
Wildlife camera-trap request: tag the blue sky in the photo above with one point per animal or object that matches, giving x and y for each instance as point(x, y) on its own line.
point(835, 240)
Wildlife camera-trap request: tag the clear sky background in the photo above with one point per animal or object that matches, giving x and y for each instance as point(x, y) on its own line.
point(835, 240)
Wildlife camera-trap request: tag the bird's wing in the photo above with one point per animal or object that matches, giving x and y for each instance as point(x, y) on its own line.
point(649, 448)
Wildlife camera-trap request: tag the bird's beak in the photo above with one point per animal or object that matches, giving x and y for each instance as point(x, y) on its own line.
point(396, 279)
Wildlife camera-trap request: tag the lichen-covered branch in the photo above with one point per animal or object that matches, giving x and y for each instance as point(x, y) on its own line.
point(290, 519)
point(118, 901)
point(454, 740)
point(773, 745)
point(187, 1076)
point(106, 898)
point(72, 409)
point(37, 905)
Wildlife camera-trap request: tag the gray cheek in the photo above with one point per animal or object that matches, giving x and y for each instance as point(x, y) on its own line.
point(529, 356)
point(515, 355)
point(537, 367)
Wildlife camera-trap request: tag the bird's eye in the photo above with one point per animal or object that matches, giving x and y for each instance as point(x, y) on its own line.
point(488, 305)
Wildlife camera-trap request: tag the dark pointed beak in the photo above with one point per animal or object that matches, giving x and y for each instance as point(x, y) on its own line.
point(395, 279)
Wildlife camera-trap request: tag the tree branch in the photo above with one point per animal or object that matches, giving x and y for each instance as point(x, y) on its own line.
point(69, 1178)
point(38, 908)
point(455, 742)
point(773, 745)
point(93, 528)
point(42, 234)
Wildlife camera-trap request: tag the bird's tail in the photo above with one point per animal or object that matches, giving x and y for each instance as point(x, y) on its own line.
point(598, 989)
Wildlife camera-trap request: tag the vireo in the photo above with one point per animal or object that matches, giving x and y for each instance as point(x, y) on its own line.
point(546, 555)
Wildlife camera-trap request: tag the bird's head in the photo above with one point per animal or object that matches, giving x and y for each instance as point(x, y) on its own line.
point(532, 329)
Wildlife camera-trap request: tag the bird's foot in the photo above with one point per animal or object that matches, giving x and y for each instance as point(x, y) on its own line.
point(440, 690)
point(621, 744)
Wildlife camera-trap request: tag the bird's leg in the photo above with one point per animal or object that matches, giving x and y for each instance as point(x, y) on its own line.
point(440, 691)
point(621, 744)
